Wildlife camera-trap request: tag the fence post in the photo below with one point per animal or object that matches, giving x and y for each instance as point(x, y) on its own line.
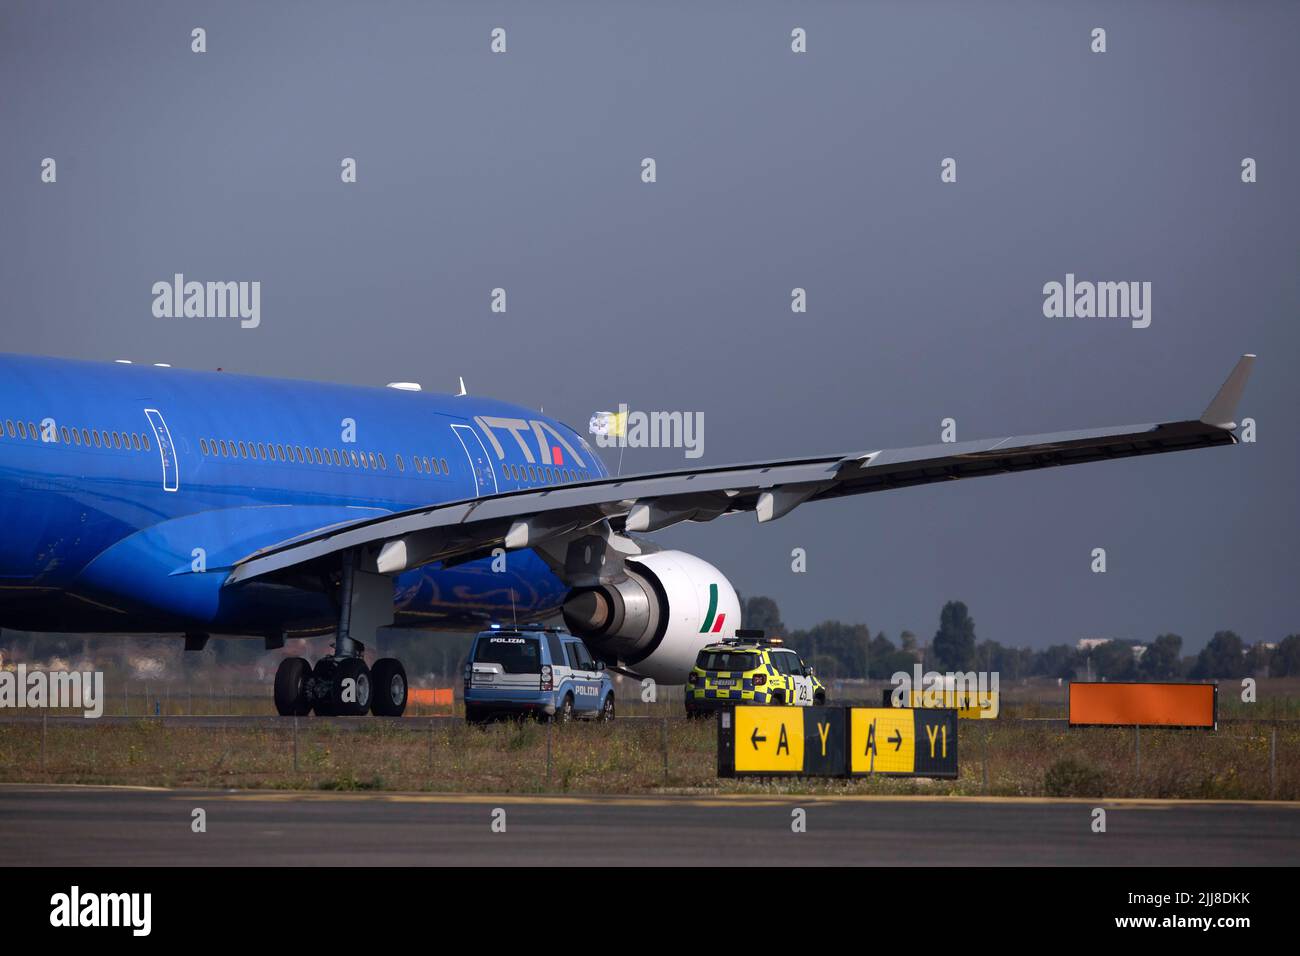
point(1137, 747)
point(984, 757)
point(665, 748)
point(1272, 764)
point(295, 743)
point(430, 745)
point(550, 725)
point(44, 721)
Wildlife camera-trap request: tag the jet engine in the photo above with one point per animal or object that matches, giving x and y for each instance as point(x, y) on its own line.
point(655, 621)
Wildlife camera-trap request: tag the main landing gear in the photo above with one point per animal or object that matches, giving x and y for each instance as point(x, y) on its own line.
point(341, 686)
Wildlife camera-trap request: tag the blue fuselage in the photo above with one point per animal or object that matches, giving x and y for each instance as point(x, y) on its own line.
point(126, 492)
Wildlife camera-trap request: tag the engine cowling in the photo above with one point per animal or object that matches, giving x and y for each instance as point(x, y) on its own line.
point(656, 620)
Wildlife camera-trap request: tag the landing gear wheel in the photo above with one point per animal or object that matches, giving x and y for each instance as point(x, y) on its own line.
point(291, 687)
point(350, 690)
point(323, 678)
point(607, 709)
point(388, 692)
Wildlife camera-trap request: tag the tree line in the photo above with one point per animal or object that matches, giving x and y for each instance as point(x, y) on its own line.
point(847, 651)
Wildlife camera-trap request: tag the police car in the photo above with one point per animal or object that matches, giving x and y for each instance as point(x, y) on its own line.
point(543, 672)
point(750, 669)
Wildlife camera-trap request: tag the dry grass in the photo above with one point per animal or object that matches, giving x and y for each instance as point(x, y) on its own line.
point(1023, 758)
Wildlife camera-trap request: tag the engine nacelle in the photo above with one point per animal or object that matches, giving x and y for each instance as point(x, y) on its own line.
point(655, 622)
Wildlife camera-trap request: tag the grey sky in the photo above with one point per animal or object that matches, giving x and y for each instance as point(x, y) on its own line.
point(775, 170)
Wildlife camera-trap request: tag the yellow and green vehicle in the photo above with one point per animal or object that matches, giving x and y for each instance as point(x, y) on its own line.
point(750, 669)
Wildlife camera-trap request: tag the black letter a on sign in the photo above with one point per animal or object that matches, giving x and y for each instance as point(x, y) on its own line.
point(782, 742)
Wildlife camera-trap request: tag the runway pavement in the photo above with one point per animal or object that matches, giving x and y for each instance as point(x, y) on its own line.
point(101, 826)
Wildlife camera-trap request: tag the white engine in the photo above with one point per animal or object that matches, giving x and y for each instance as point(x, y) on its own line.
point(655, 622)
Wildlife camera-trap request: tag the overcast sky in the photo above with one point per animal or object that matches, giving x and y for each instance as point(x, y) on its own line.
point(775, 170)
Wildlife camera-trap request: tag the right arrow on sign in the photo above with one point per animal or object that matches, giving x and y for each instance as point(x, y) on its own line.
point(896, 740)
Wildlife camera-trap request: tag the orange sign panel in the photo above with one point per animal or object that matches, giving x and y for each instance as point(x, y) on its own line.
point(435, 697)
point(1121, 704)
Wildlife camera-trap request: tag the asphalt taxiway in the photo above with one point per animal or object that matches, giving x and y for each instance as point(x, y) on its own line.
point(120, 826)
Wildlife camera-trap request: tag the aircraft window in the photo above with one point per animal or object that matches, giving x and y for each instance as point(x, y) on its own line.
point(364, 463)
point(32, 433)
point(505, 470)
point(85, 437)
point(22, 430)
point(445, 469)
point(353, 456)
point(532, 473)
point(76, 437)
point(426, 464)
point(401, 465)
point(371, 456)
point(221, 444)
point(10, 426)
point(383, 465)
point(203, 445)
point(117, 440)
point(415, 462)
point(67, 439)
point(126, 441)
point(334, 453)
point(94, 435)
point(135, 441)
point(243, 451)
point(145, 440)
point(104, 433)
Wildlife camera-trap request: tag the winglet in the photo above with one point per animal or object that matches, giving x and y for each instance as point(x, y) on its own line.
point(1223, 410)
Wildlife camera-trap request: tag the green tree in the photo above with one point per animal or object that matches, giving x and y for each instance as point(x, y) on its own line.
point(1286, 657)
point(1113, 660)
point(762, 612)
point(1224, 656)
point(1059, 660)
point(1162, 659)
point(953, 646)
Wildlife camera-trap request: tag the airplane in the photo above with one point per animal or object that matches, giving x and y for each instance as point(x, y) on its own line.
point(141, 499)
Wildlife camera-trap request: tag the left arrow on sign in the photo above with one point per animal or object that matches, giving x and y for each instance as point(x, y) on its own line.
point(754, 738)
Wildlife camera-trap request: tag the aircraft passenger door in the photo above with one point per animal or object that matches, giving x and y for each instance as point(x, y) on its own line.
point(485, 476)
point(171, 474)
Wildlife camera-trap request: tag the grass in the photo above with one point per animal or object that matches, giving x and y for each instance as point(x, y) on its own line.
point(1024, 758)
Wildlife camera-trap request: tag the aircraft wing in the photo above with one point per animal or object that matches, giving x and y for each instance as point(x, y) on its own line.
point(467, 529)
